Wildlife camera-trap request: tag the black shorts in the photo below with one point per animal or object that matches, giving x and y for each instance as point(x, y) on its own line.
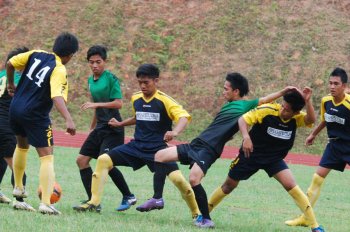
point(336, 155)
point(196, 152)
point(138, 154)
point(38, 132)
point(242, 168)
point(101, 140)
point(7, 140)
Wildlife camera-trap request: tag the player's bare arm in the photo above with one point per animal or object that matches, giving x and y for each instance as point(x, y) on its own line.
point(62, 108)
point(247, 145)
point(115, 104)
point(127, 122)
point(273, 96)
point(180, 126)
point(310, 112)
point(10, 70)
point(310, 139)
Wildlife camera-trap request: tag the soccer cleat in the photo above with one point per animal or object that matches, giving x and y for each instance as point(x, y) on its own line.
point(318, 229)
point(206, 223)
point(151, 204)
point(18, 192)
point(21, 205)
point(197, 220)
point(48, 209)
point(127, 202)
point(4, 199)
point(299, 221)
point(87, 207)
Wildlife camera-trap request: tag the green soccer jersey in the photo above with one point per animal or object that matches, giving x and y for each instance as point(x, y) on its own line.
point(225, 124)
point(105, 89)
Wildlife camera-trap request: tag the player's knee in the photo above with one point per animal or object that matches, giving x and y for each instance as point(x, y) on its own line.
point(228, 187)
point(194, 180)
point(159, 156)
point(82, 161)
point(105, 161)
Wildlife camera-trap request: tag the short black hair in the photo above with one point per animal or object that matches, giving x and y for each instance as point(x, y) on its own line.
point(15, 52)
point(339, 72)
point(97, 50)
point(65, 44)
point(295, 99)
point(239, 82)
point(149, 70)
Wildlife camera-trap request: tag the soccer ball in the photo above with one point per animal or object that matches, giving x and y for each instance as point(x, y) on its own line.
point(56, 194)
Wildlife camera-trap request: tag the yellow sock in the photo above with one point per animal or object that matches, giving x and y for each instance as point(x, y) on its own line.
point(99, 177)
point(19, 165)
point(216, 197)
point(303, 203)
point(186, 191)
point(46, 178)
point(314, 190)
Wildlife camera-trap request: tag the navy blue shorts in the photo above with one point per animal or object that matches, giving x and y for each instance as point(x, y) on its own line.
point(7, 139)
point(196, 152)
point(38, 133)
point(243, 168)
point(336, 155)
point(101, 140)
point(137, 154)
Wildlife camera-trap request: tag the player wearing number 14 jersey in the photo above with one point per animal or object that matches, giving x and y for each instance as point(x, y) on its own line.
point(43, 84)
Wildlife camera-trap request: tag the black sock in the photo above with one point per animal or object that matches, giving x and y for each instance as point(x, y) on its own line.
point(24, 181)
point(118, 179)
point(160, 172)
point(202, 200)
point(3, 167)
point(86, 178)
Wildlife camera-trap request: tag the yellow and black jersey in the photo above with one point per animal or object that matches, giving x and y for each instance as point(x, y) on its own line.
point(272, 137)
point(154, 116)
point(337, 117)
point(43, 78)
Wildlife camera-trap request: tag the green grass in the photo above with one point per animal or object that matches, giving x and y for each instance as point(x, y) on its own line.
point(259, 204)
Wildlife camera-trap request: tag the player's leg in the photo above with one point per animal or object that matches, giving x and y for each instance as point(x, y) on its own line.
point(221, 192)
point(3, 167)
point(85, 170)
point(115, 157)
point(285, 177)
point(110, 140)
point(186, 191)
point(19, 165)
point(46, 179)
point(196, 175)
point(165, 155)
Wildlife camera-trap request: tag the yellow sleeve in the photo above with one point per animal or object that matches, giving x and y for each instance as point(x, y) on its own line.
point(58, 82)
point(323, 110)
point(257, 115)
point(300, 120)
point(174, 109)
point(19, 61)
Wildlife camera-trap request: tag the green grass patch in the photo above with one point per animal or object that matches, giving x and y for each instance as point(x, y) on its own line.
point(259, 204)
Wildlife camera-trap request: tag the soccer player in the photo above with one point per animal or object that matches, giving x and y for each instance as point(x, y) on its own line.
point(154, 113)
point(42, 84)
point(335, 116)
point(272, 134)
point(106, 100)
point(7, 137)
point(204, 150)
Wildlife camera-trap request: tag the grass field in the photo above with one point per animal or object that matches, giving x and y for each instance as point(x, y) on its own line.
point(259, 204)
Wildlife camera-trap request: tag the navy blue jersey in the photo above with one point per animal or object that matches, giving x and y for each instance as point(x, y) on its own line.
point(337, 117)
point(43, 78)
point(154, 116)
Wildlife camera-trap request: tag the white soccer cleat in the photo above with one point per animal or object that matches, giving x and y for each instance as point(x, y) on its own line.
point(18, 192)
point(21, 205)
point(48, 209)
point(4, 199)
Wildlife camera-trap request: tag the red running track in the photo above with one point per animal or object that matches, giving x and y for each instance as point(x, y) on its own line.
point(65, 140)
